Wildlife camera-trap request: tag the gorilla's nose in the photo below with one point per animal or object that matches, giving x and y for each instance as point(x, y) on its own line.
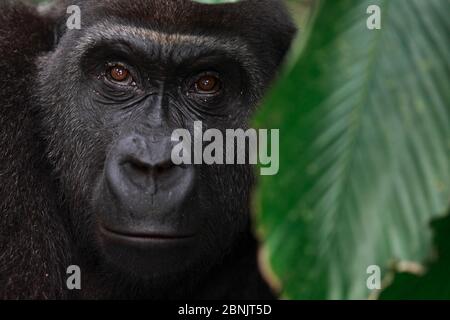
point(140, 177)
point(141, 191)
point(144, 162)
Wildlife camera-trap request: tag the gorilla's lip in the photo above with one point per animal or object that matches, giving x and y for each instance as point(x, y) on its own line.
point(129, 235)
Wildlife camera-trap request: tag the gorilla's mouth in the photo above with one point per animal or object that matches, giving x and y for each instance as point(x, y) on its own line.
point(142, 236)
point(147, 253)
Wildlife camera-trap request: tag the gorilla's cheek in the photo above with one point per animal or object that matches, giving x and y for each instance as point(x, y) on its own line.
point(148, 220)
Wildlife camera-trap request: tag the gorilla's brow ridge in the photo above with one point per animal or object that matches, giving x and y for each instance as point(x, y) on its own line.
point(101, 31)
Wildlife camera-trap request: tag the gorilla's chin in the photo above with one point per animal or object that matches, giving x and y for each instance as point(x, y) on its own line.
point(147, 255)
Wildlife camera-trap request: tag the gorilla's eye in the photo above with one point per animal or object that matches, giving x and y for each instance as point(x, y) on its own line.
point(207, 84)
point(119, 73)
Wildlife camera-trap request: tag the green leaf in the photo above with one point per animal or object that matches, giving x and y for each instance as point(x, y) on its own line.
point(364, 148)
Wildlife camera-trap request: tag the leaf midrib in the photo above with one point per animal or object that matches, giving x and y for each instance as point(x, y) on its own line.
point(359, 110)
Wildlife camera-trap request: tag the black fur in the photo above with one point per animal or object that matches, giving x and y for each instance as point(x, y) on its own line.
point(50, 156)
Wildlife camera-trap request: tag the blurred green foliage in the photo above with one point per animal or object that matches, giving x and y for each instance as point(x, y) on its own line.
point(364, 163)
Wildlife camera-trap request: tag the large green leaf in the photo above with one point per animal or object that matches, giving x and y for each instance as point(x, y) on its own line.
point(364, 148)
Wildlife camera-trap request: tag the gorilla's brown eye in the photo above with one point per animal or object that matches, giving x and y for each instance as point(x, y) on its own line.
point(119, 73)
point(207, 84)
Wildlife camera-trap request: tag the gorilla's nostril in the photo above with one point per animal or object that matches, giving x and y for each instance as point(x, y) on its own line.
point(164, 166)
point(139, 167)
point(148, 168)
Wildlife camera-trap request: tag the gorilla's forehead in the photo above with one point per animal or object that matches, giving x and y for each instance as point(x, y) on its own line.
point(183, 11)
point(111, 32)
point(249, 17)
point(163, 45)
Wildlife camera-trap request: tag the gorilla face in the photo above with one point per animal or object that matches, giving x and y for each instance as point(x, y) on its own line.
point(113, 93)
point(119, 97)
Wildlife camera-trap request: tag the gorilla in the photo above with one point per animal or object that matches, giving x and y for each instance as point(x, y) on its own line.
point(86, 117)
